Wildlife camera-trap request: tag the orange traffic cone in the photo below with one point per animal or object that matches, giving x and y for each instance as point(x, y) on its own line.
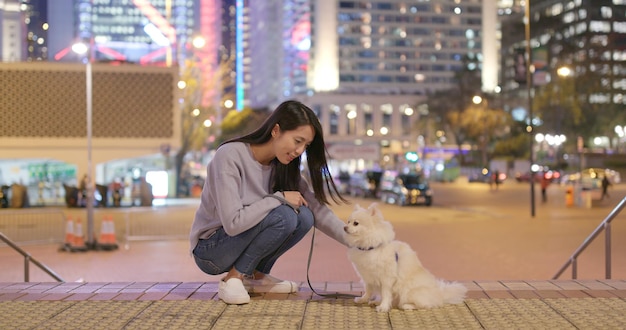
point(104, 237)
point(69, 234)
point(78, 243)
point(107, 234)
point(112, 236)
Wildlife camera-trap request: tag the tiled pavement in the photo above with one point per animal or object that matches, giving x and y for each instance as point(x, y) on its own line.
point(558, 304)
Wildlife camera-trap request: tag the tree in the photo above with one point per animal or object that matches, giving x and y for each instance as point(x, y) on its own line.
point(199, 121)
point(445, 106)
point(565, 105)
point(558, 108)
point(482, 126)
point(515, 144)
point(238, 123)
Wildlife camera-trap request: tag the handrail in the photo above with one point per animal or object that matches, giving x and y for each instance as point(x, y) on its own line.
point(604, 225)
point(28, 259)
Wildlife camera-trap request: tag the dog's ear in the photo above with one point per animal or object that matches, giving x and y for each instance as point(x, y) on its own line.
point(373, 208)
point(357, 207)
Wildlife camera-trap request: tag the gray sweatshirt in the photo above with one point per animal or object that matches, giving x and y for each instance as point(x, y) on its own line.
point(235, 196)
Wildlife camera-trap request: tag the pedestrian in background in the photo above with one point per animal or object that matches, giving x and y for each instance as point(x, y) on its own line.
point(496, 179)
point(605, 187)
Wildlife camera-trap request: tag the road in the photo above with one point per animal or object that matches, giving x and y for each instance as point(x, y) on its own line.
point(473, 232)
point(470, 233)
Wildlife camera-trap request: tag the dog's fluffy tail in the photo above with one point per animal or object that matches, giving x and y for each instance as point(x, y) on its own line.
point(453, 292)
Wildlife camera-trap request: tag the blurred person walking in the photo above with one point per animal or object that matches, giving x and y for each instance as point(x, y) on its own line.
point(605, 187)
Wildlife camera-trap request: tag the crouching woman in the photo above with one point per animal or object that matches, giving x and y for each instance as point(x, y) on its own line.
point(255, 204)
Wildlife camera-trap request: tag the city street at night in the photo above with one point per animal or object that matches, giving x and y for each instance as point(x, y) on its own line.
point(470, 233)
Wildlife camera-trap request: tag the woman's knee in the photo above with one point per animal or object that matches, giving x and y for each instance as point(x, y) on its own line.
point(283, 216)
point(208, 266)
point(305, 217)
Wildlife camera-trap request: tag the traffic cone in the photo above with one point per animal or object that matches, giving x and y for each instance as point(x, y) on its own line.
point(104, 232)
point(69, 234)
point(112, 236)
point(78, 243)
point(107, 234)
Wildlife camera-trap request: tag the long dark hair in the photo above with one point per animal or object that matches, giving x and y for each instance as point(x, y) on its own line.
point(290, 115)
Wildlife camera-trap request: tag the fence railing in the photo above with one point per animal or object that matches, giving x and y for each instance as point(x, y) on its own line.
point(605, 226)
point(46, 226)
point(33, 226)
point(150, 226)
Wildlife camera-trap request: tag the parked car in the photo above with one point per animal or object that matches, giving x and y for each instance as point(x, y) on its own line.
point(364, 184)
point(486, 176)
point(548, 174)
point(342, 181)
point(405, 189)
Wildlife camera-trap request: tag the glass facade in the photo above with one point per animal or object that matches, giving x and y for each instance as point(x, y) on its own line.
point(399, 46)
point(587, 36)
point(139, 31)
point(36, 18)
point(296, 45)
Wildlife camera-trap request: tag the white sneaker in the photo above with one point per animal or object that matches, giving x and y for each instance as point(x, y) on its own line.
point(233, 292)
point(269, 284)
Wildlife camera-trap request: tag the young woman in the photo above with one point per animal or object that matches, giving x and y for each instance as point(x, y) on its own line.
point(255, 204)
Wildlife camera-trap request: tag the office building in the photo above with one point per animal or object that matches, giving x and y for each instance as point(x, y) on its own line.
point(12, 49)
point(374, 62)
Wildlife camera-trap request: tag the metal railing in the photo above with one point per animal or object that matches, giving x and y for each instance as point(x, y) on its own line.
point(28, 259)
point(604, 225)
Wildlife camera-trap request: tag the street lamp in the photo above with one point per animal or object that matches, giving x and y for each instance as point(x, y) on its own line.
point(564, 71)
point(529, 91)
point(83, 49)
point(477, 99)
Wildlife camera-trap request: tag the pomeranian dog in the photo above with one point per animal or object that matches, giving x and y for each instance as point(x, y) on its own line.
point(390, 269)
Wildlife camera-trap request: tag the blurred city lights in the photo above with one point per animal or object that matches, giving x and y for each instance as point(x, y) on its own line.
point(80, 48)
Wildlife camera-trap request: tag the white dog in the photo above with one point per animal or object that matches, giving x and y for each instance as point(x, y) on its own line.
point(390, 268)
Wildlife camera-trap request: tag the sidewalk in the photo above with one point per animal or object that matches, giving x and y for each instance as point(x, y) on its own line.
point(563, 304)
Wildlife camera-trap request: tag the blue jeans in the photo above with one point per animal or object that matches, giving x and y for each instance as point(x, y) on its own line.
point(257, 248)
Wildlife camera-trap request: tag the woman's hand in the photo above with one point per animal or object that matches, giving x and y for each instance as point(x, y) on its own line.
point(295, 198)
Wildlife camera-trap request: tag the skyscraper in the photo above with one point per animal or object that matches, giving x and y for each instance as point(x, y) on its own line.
point(588, 37)
point(395, 47)
point(12, 48)
point(374, 62)
point(138, 31)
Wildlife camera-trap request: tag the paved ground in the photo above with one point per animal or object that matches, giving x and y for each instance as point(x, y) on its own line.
point(561, 304)
point(154, 284)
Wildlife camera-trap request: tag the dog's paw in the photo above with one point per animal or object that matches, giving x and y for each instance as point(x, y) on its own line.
point(361, 300)
point(408, 307)
point(383, 308)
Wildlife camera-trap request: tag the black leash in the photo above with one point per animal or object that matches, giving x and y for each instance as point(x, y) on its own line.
point(308, 266)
